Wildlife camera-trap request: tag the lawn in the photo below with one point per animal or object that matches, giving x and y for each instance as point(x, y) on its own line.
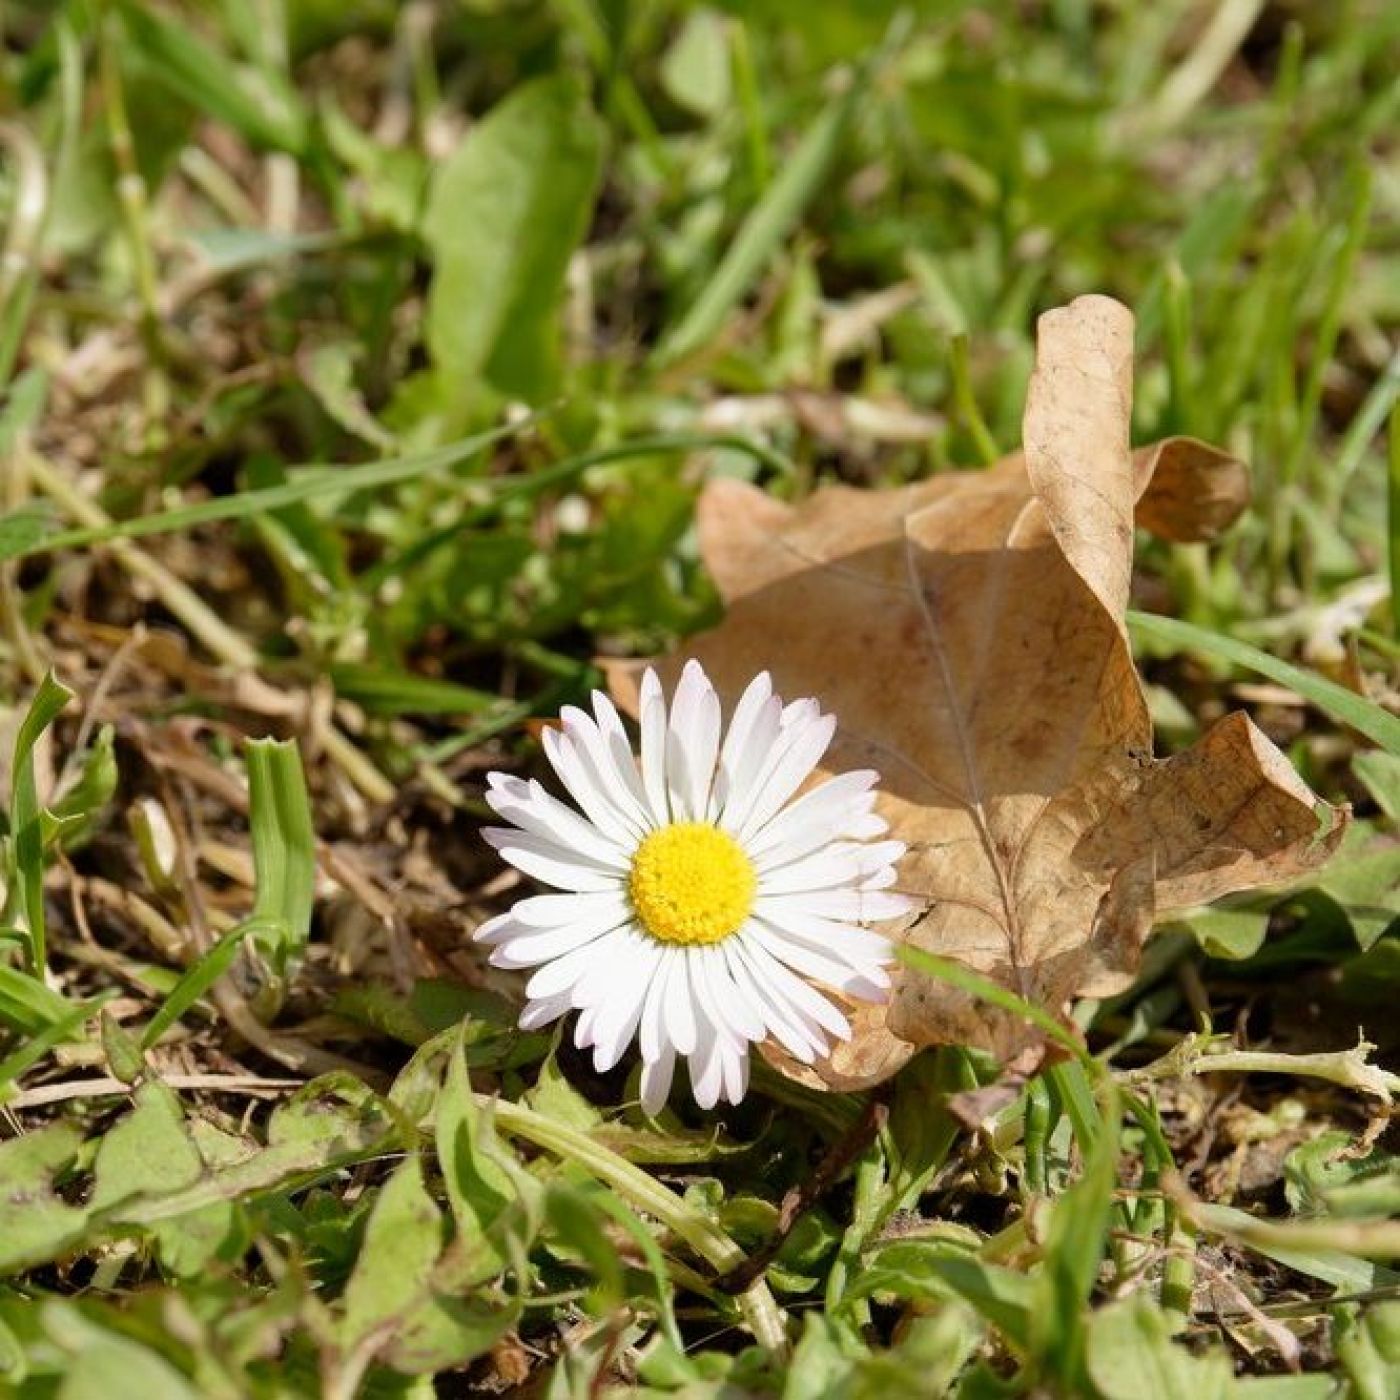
point(378, 382)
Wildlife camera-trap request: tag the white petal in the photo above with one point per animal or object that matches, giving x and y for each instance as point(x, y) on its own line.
point(747, 714)
point(585, 1025)
point(792, 767)
point(797, 1035)
point(797, 993)
point(800, 726)
point(692, 741)
point(616, 974)
point(866, 983)
point(736, 1076)
point(549, 862)
point(706, 1079)
point(598, 754)
point(553, 910)
point(542, 1012)
point(597, 803)
point(656, 1081)
point(653, 724)
point(653, 1035)
point(532, 809)
point(745, 1009)
point(824, 814)
point(826, 935)
point(706, 1067)
point(620, 748)
point(617, 1021)
point(680, 1001)
point(716, 995)
point(745, 764)
point(559, 976)
point(535, 946)
point(858, 906)
point(494, 929)
point(832, 867)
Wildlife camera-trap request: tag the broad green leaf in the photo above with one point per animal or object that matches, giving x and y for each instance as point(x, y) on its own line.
point(23, 531)
point(922, 1131)
point(505, 213)
point(329, 372)
point(820, 1365)
point(556, 1098)
point(147, 1153)
point(423, 1311)
point(1224, 933)
point(478, 1187)
point(402, 1242)
point(696, 69)
point(103, 1364)
point(23, 403)
point(1131, 1354)
point(1343, 705)
point(326, 1124)
point(1346, 1271)
point(577, 1227)
point(150, 1155)
point(1316, 1386)
point(37, 1226)
point(915, 1270)
point(1367, 1344)
point(1380, 771)
point(1364, 879)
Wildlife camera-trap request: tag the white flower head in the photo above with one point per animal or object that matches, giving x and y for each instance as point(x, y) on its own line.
point(700, 902)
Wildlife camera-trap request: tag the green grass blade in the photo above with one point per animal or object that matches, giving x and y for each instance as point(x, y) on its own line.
point(560, 474)
point(284, 862)
point(258, 103)
point(1393, 517)
point(1344, 705)
point(768, 224)
point(27, 1005)
point(974, 984)
point(37, 1046)
point(313, 481)
point(26, 815)
point(284, 846)
point(196, 981)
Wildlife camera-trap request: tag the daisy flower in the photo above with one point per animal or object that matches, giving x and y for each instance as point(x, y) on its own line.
point(699, 901)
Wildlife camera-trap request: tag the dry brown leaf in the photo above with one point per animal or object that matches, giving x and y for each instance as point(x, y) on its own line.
point(968, 633)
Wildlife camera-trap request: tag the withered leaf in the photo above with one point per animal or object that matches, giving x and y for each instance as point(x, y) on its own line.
point(968, 634)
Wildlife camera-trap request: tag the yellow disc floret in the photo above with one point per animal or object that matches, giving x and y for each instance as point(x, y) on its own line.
point(691, 883)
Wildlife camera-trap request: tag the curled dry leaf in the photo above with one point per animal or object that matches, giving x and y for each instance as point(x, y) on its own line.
point(968, 634)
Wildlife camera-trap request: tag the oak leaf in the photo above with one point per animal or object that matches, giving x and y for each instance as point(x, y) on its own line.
point(968, 634)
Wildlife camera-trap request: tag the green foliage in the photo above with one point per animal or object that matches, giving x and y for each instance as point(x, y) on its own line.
point(505, 212)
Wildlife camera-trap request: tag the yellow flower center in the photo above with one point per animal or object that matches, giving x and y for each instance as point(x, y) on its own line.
point(691, 883)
